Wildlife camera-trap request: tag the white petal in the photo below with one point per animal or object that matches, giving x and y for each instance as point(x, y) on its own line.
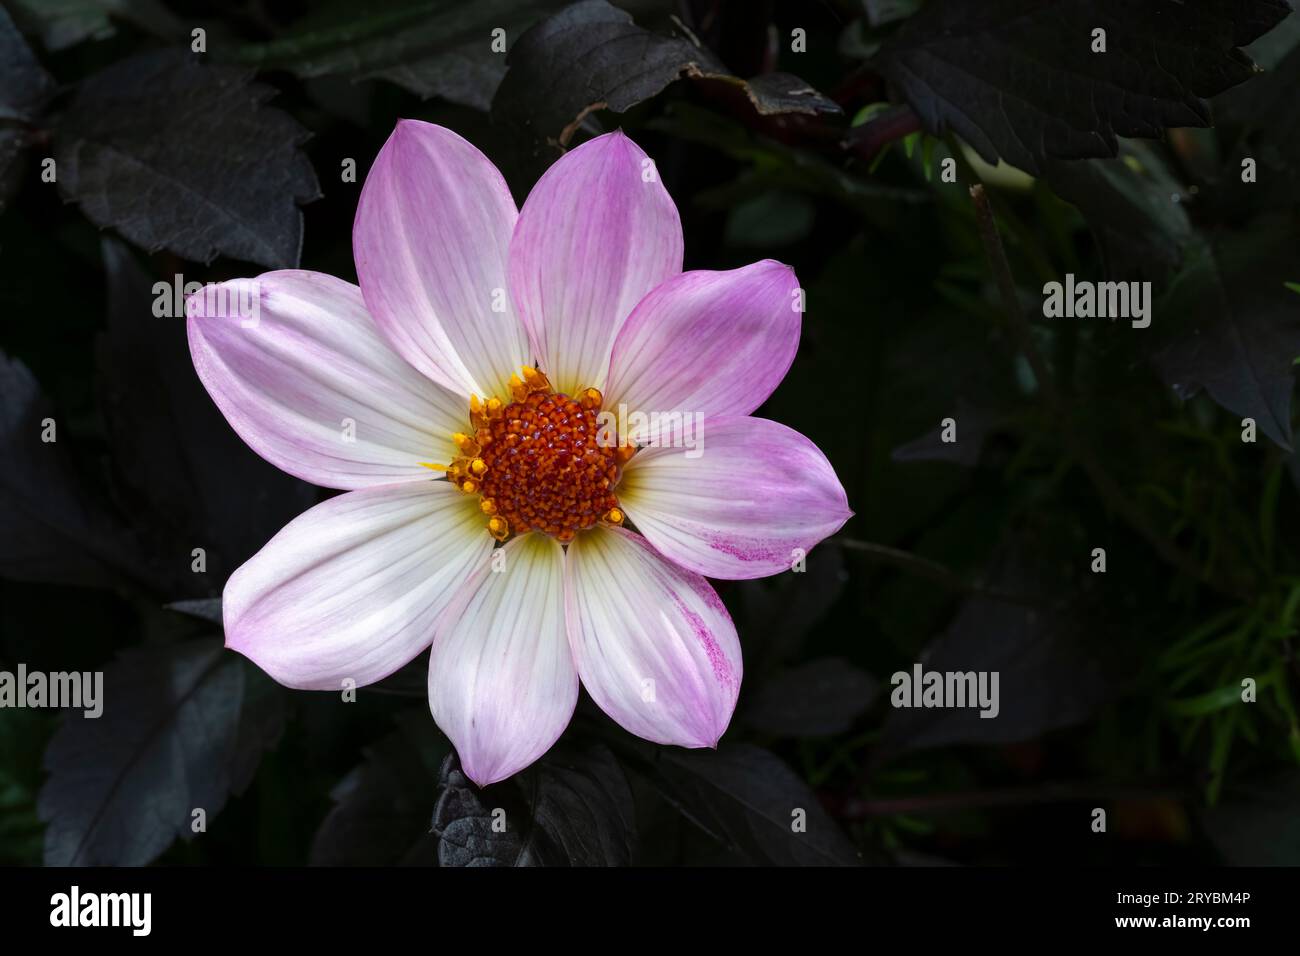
point(755, 497)
point(707, 343)
point(596, 234)
point(502, 685)
point(654, 644)
point(431, 238)
point(353, 588)
point(311, 386)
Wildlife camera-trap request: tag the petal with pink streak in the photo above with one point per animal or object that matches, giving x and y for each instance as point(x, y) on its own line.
point(596, 234)
point(745, 502)
point(308, 383)
point(654, 644)
point(502, 685)
point(353, 589)
point(430, 241)
point(706, 343)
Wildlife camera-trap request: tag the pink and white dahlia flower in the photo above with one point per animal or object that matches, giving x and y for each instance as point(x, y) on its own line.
point(488, 344)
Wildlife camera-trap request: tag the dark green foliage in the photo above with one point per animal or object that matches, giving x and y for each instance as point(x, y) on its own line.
point(851, 157)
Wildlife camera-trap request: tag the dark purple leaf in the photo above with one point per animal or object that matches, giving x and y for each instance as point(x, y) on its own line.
point(182, 728)
point(186, 157)
point(1018, 79)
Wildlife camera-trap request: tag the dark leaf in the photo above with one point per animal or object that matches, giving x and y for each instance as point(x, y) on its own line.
point(426, 46)
point(1277, 44)
point(949, 367)
point(582, 806)
point(974, 425)
point(13, 140)
point(1266, 103)
point(205, 609)
point(22, 738)
point(1048, 673)
point(780, 612)
point(24, 86)
point(469, 834)
point(776, 166)
point(177, 454)
point(1233, 328)
point(1133, 207)
point(578, 61)
point(771, 94)
point(1260, 827)
point(817, 699)
point(880, 12)
point(381, 808)
point(770, 219)
point(1266, 107)
point(182, 156)
point(592, 56)
point(182, 728)
point(65, 23)
point(1017, 79)
point(756, 804)
point(571, 808)
point(52, 528)
point(467, 76)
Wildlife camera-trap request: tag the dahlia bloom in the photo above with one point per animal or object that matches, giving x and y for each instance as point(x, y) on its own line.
point(458, 396)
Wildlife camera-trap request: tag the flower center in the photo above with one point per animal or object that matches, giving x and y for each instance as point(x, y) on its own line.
point(540, 463)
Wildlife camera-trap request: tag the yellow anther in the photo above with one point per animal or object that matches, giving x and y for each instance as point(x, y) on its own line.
point(469, 487)
point(494, 408)
point(591, 398)
point(535, 380)
point(499, 528)
point(518, 390)
point(477, 412)
point(614, 516)
point(478, 466)
point(488, 506)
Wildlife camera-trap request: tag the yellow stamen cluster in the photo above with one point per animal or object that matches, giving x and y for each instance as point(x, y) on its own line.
point(537, 462)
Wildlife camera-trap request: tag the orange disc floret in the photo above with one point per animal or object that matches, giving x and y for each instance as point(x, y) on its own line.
point(543, 466)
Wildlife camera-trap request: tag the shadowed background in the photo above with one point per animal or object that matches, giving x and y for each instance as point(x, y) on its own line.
point(813, 133)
